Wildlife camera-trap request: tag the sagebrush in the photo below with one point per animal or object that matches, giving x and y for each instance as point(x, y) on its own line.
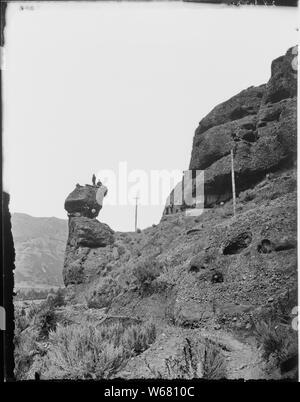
point(83, 351)
point(146, 272)
point(277, 340)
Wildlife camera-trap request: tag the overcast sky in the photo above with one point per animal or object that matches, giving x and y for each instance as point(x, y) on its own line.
point(87, 86)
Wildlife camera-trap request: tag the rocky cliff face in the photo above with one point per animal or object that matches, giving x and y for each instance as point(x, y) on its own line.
point(85, 233)
point(259, 124)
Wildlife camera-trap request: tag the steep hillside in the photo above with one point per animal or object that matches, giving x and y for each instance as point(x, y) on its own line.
point(40, 245)
point(255, 253)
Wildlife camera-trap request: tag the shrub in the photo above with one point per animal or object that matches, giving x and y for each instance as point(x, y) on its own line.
point(139, 338)
point(33, 311)
point(179, 368)
point(183, 366)
point(273, 330)
point(25, 344)
point(277, 340)
point(79, 352)
point(83, 351)
point(186, 365)
point(46, 320)
point(56, 299)
point(106, 292)
point(59, 299)
point(30, 329)
point(25, 351)
point(269, 337)
point(21, 320)
point(145, 272)
point(213, 362)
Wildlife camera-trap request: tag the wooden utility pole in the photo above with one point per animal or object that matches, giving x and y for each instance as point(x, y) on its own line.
point(135, 217)
point(233, 184)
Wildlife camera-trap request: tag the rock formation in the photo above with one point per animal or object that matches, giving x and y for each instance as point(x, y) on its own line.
point(85, 233)
point(82, 202)
point(259, 124)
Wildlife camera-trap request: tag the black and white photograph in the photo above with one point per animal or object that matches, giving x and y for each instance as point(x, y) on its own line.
point(149, 193)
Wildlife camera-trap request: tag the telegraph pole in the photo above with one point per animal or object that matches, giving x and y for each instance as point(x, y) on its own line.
point(135, 216)
point(233, 184)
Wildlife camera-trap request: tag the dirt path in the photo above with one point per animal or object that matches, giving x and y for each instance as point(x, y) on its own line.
point(243, 361)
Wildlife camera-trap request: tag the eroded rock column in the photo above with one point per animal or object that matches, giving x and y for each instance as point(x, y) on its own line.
point(85, 233)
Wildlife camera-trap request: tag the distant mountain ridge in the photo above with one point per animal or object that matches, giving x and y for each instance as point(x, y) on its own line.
point(39, 245)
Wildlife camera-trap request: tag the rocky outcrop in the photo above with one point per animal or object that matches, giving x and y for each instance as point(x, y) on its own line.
point(239, 106)
point(282, 84)
point(259, 124)
point(85, 233)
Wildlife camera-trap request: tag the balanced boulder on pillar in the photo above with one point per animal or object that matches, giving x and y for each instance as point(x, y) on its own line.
point(82, 202)
point(85, 233)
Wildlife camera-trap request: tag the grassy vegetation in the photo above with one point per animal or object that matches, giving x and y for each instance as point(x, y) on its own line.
point(46, 321)
point(75, 351)
point(83, 351)
point(104, 294)
point(24, 343)
point(277, 340)
point(275, 334)
point(32, 327)
point(194, 362)
point(213, 367)
point(145, 273)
